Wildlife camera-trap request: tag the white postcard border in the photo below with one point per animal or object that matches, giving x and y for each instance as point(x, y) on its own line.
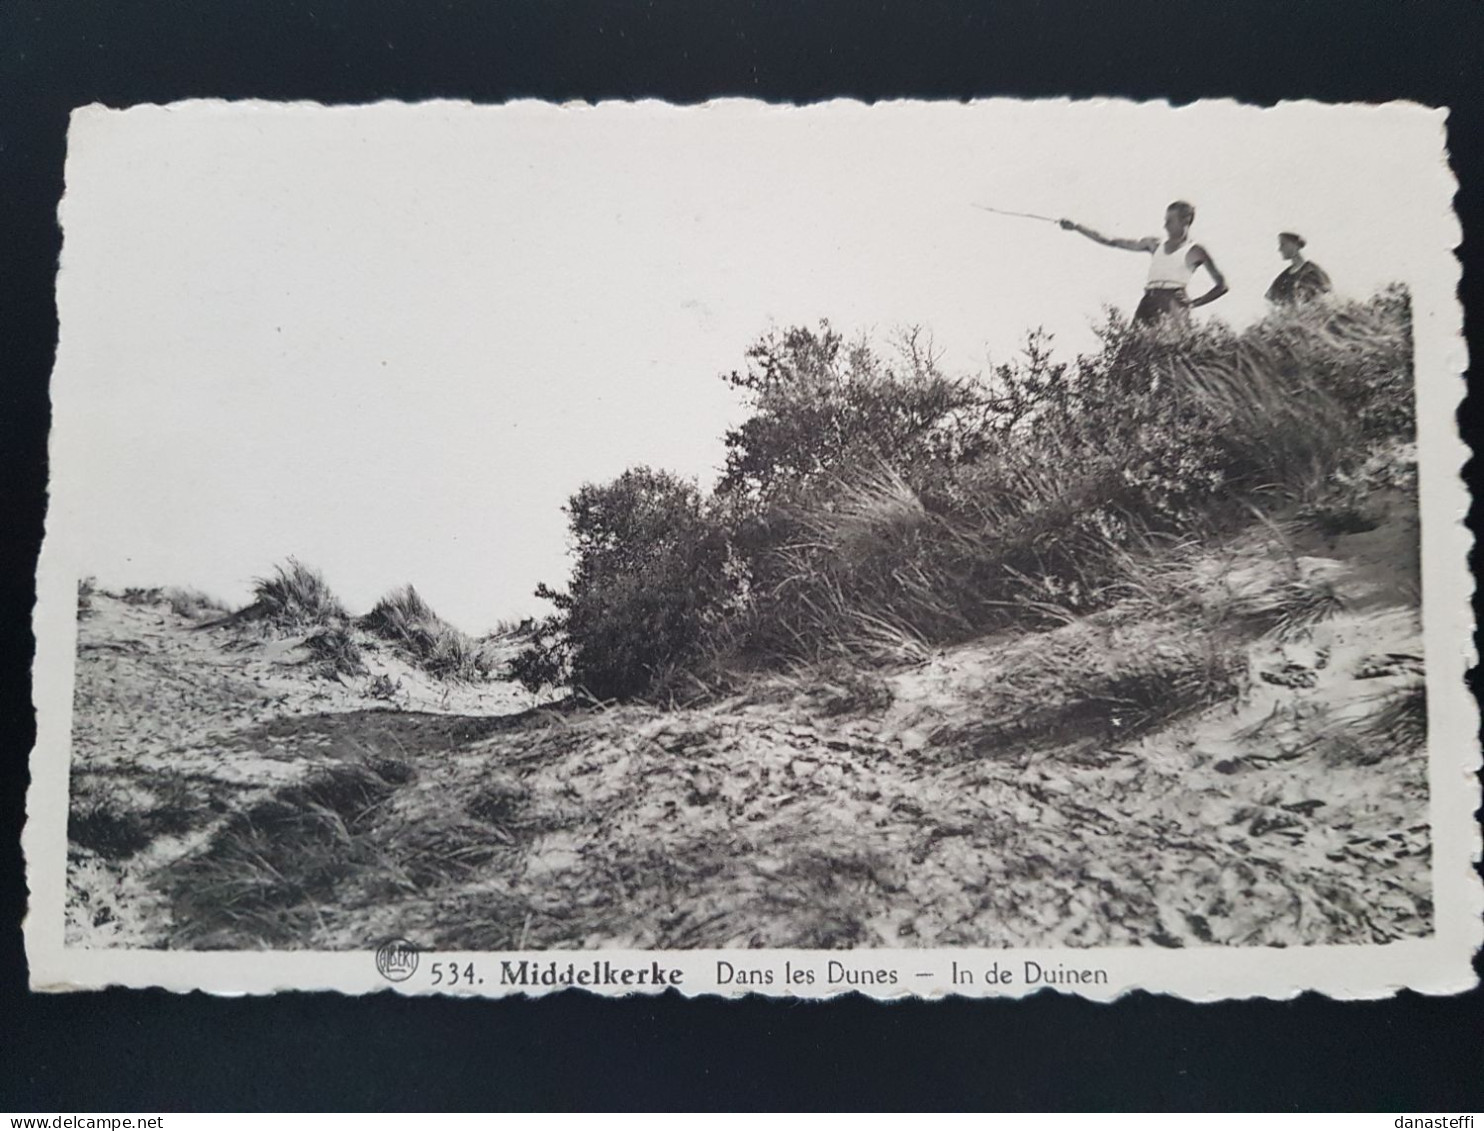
point(1440, 964)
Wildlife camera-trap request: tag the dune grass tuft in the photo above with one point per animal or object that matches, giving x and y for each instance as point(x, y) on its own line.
point(335, 651)
point(1400, 726)
point(399, 615)
point(266, 875)
point(295, 597)
point(288, 866)
point(1074, 685)
point(409, 624)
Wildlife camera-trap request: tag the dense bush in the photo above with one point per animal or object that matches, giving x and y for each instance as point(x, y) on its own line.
point(877, 508)
point(820, 408)
point(1162, 432)
point(650, 579)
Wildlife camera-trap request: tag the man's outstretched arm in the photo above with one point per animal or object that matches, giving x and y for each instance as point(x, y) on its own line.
point(1148, 243)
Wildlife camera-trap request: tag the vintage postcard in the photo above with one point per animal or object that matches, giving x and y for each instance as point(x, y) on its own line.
point(909, 549)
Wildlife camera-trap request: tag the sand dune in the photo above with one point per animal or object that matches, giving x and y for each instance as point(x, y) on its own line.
point(1006, 792)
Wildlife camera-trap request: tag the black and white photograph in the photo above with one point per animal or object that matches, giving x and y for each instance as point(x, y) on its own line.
point(911, 548)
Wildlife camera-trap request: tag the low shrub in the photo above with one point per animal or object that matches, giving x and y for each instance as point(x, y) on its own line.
point(335, 651)
point(86, 587)
point(545, 662)
point(113, 833)
point(192, 603)
point(383, 687)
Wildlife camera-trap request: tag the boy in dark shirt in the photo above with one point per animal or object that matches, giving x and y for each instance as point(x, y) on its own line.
point(1302, 280)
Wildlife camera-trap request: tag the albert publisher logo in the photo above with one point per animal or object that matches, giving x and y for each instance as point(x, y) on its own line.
point(396, 960)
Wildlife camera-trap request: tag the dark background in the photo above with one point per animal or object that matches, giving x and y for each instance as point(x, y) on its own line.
point(149, 1051)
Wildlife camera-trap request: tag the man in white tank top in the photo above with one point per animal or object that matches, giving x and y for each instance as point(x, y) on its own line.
point(1173, 263)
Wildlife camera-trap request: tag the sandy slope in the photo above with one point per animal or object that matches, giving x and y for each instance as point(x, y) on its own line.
point(970, 800)
point(175, 725)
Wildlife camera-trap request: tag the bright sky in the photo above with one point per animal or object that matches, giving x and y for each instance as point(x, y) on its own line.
point(392, 340)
